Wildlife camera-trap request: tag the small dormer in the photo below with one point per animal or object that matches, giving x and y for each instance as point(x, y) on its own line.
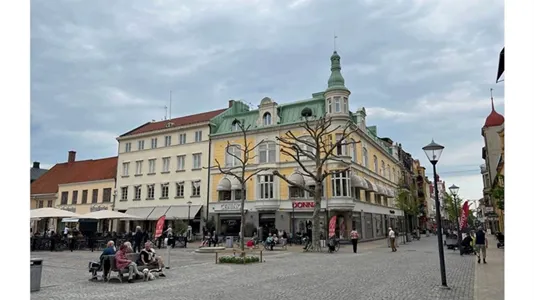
point(267, 115)
point(360, 117)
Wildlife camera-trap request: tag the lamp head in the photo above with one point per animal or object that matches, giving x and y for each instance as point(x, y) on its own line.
point(433, 152)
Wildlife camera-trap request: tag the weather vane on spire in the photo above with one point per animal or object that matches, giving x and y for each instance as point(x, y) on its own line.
point(335, 38)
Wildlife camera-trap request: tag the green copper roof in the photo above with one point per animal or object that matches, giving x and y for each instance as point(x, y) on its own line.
point(336, 80)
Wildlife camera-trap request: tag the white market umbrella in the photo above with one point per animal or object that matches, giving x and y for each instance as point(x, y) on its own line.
point(108, 214)
point(49, 212)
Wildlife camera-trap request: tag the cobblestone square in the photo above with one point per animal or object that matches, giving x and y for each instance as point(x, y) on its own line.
point(375, 273)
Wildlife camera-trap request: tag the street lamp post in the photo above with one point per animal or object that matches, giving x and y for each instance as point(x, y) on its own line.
point(189, 213)
point(454, 191)
point(433, 152)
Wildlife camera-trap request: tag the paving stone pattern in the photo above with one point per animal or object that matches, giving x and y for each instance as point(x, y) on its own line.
point(375, 273)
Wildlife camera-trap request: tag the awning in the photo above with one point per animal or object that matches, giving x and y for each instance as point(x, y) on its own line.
point(69, 220)
point(158, 212)
point(308, 180)
point(358, 182)
point(297, 178)
point(381, 190)
point(182, 212)
point(235, 184)
point(224, 185)
point(141, 212)
point(371, 187)
point(391, 192)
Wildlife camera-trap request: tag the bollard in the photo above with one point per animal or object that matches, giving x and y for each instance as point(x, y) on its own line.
point(261, 256)
point(216, 257)
point(168, 250)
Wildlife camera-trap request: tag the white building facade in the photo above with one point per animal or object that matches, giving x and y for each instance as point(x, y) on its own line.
point(162, 170)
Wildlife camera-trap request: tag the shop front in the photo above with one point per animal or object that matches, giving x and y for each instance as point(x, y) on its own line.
point(301, 215)
point(227, 216)
point(372, 221)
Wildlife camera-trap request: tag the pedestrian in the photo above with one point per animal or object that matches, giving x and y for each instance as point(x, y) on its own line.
point(138, 239)
point(391, 234)
point(481, 243)
point(354, 236)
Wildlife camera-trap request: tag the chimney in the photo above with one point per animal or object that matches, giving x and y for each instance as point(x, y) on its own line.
point(36, 165)
point(72, 156)
point(230, 103)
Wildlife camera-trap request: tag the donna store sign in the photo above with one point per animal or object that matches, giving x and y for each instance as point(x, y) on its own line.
point(303, 204)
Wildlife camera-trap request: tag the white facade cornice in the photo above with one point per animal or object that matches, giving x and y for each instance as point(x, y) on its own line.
point(174, 129)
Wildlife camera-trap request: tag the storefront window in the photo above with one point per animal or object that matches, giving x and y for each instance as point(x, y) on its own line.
point(230, 226)
point(357, 221)
point(368, 219)
point(378, 226)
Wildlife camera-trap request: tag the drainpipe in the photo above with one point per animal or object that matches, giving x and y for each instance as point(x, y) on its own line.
point(209, 173)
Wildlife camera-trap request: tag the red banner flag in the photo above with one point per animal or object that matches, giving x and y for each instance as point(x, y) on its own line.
point(332, 226)
point(465, 214)
point(159, 226)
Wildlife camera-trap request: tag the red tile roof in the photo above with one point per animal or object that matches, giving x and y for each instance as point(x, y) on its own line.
point(77, 171)
point(187, 120)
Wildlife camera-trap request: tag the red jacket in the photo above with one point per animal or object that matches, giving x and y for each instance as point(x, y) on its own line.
point(120, 259)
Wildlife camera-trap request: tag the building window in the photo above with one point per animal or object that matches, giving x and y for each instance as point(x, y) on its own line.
point(106, 195)
point(152, 166)
point(154, 143)
point(355, 193)
point(394, 176)
point(150, 191)
point(197, 161)
point(266, 187)
point(137, 192)
point(167, 140)
point(340, 184)
point(307, 148)
point(238, 194)
point(233, 153)
point(365, 157)
point(329, 100)
point(195, 186)
point(40, 204)
point(337, 104)
point(267, 152)
point(345, 105)
point(166, 164)
point(125, 168)
point(74, 197)
point(341, 148)
point(182, 138)
point(225, 195)
point(198, 136)
point(141, 145)
point(49, 203)
point(235, 126)
point(354, 151)
point(312, 187)
point(179, 189)
point(165, 190)
point(389, 172)
point(296, 192)
point(124, 193)
point(368, 196)
point(139, 167)
point(95, 196)
point(375, 163)
point(85, 194)
point(180, 163)
point(383, 171)
point(64, 198)
point(128, 147)
point(267, 118)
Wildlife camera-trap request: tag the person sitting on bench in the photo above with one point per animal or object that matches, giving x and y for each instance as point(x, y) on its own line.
point(148, 258)
point(123, 262)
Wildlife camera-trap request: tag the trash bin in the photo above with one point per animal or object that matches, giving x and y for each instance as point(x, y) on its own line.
point(229, 242)
point(36, 270)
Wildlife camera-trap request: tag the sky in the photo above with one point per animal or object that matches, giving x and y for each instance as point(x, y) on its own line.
point(422, 69)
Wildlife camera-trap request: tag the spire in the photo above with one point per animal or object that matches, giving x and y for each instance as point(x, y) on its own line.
point(492, 104)
point(336, 80)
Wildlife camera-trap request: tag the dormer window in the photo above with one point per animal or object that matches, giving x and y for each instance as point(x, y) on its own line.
point(337, 104)
point(235, 125)
point(267, 119)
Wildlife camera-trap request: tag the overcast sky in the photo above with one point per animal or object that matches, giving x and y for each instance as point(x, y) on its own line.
point(422, 69)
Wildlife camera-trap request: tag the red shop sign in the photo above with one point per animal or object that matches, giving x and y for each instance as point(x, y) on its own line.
point(303, 204)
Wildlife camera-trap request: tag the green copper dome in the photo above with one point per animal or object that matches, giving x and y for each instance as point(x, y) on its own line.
point(336, 80)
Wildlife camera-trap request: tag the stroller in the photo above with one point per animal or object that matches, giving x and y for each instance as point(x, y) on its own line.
point(500, 239)
point(466, 247)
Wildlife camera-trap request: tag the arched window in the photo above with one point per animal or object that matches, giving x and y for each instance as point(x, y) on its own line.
point(267, 118)
point(365, 157)
point(383, 171)
point(375, 163)
point(235, 125)
point(233, 154)
point(354, 151)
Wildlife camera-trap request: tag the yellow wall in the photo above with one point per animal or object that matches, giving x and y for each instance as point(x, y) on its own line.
point(89, 186)
point(34, 200)
point(219, 148)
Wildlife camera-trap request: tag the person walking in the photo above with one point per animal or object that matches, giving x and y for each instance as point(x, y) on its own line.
point(391, 235)
point(481, 243)
point(354, 236)
point(138, 239)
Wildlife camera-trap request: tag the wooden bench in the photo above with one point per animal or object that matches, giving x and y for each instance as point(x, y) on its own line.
point(280, 245)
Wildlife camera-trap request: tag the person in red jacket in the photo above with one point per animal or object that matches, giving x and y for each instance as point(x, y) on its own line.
point(123, 262)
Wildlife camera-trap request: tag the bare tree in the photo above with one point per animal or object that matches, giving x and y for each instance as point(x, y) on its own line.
point(242, 156)
point(316, 145)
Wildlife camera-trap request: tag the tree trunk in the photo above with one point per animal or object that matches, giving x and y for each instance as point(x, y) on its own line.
point(242, 227)
point(316, 220)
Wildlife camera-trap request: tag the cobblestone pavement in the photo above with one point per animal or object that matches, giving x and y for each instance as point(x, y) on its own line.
point(489, 278)
point(375, 273)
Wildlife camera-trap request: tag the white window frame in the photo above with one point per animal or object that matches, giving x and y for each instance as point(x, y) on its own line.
point(235, 126)
point(165, 190)
point(124, 193)
point(365, 156)
point(229, 160)
point(354, 151)
point(345, 105)
point(154, 143)
point(375, 163)
point(198, 136)
point(307, 148)
point(180, 163)
point(268, 151)
point(128, 147)
point(168, 140)
point(180, 189)
point(267, 119)
point(141, 145)
point(182, 138)
point(197, 161)
point(166, 164)
point(337, 104)
point(266, 187)
point(329, 100)
point(341, 179)
point(125, 168)
point(150, 191)
point(195, 188)
point(139, 167)
point(138, 190)
point(342, 148)
point(152, 166)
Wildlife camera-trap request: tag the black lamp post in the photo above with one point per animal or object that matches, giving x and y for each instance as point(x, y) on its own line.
point(454, 191)
point(189, 213)
point(433, 152)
